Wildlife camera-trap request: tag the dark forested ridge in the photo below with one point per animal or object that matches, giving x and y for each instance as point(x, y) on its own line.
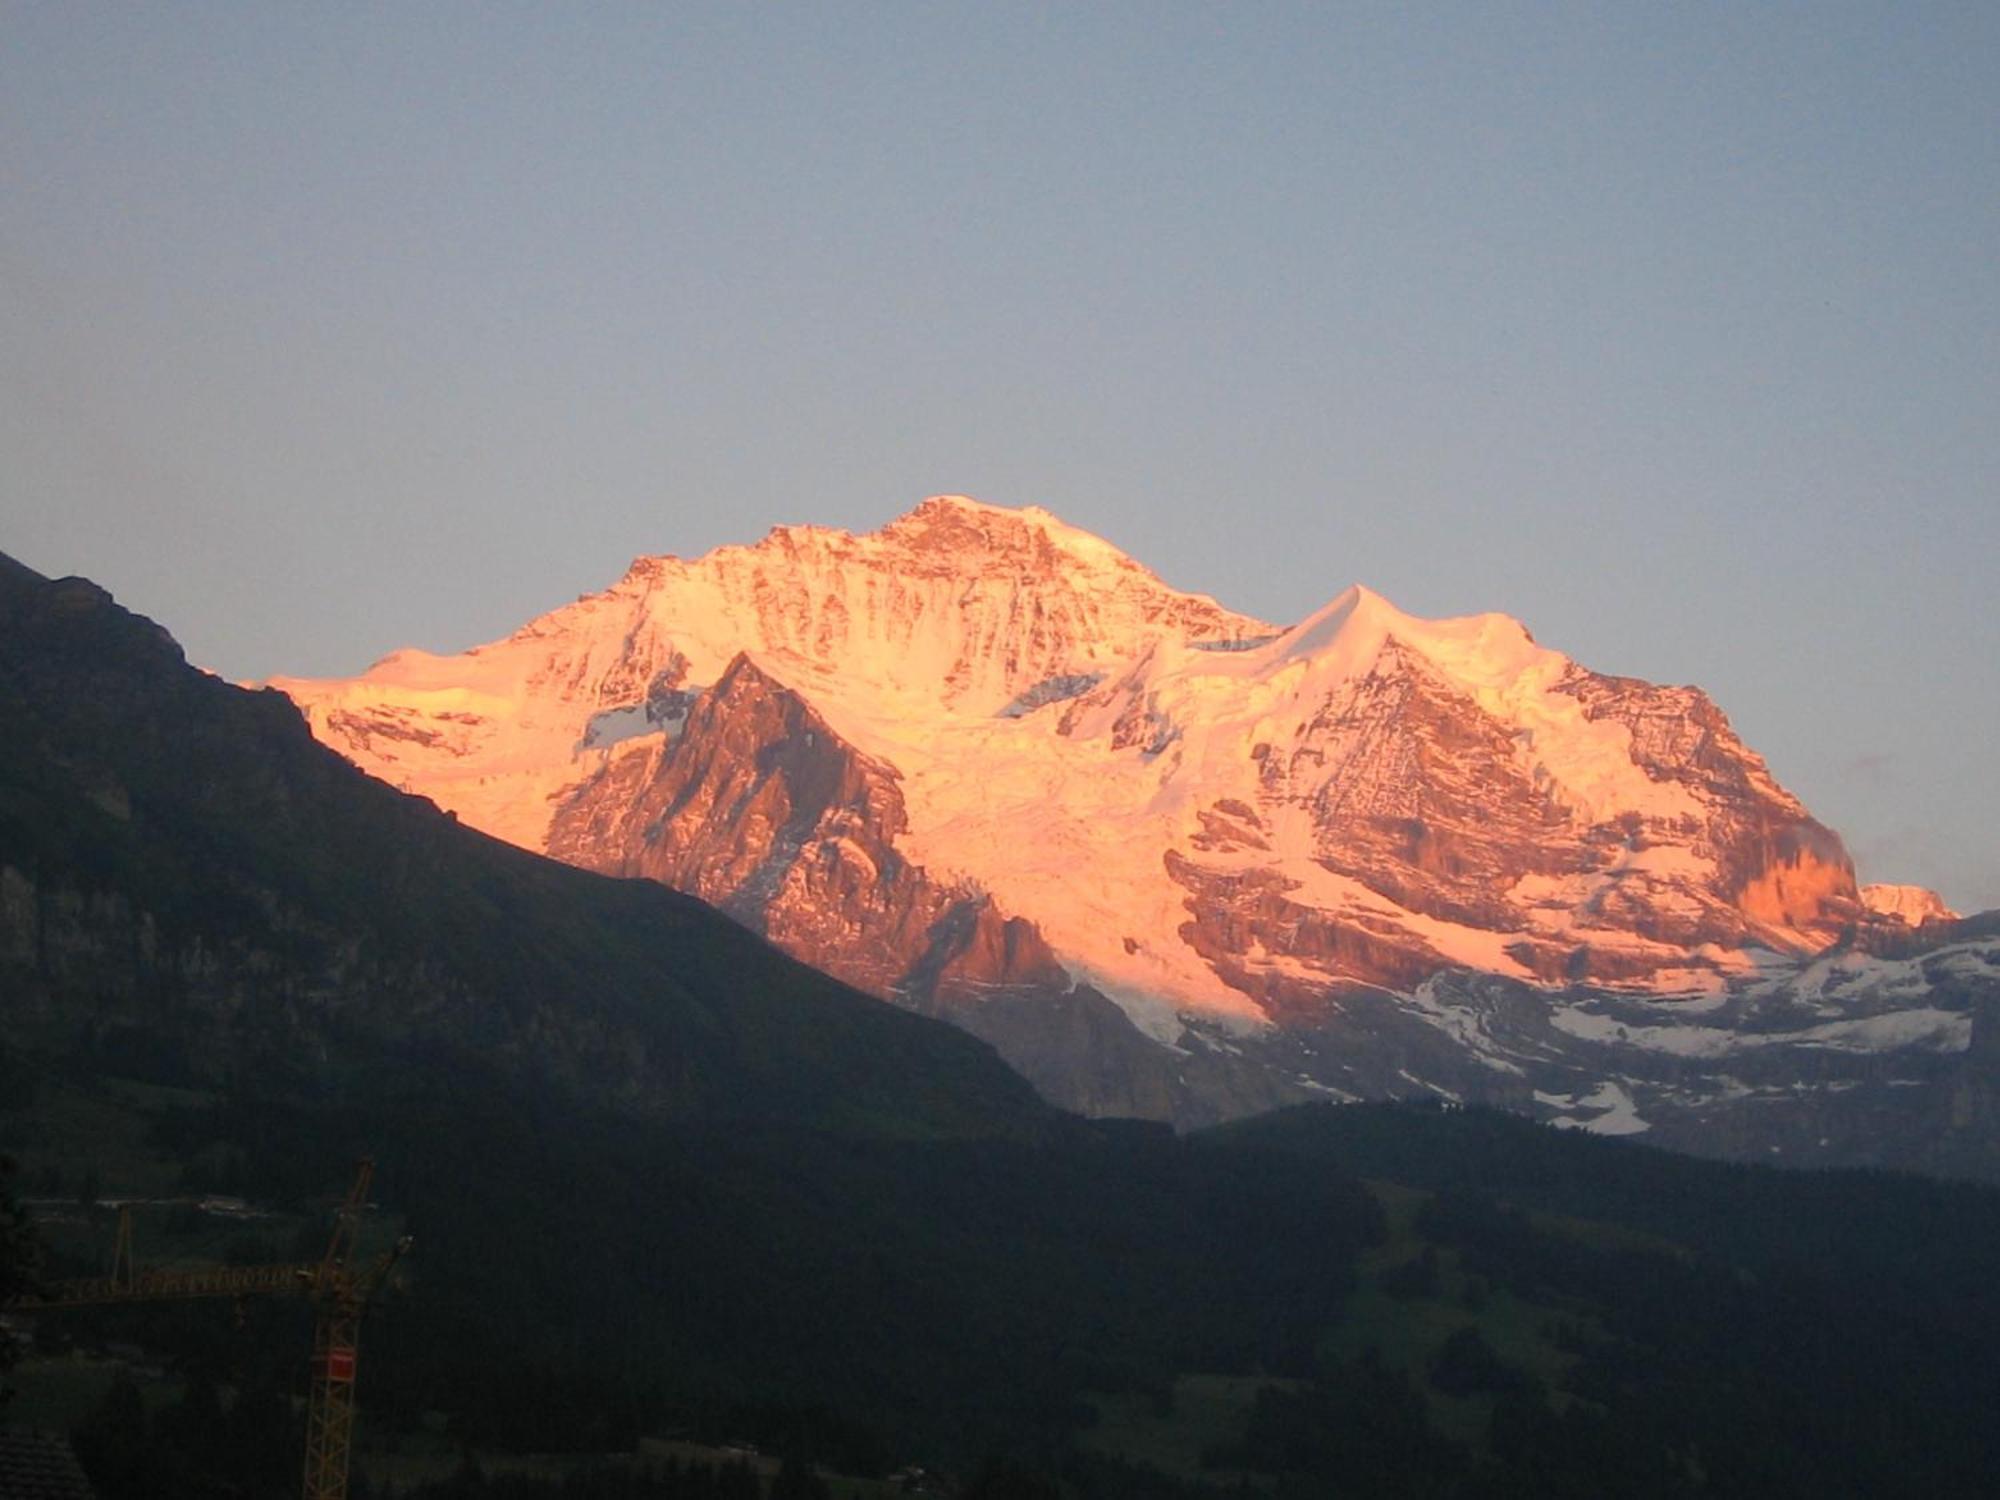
point(664, 1181)
point(185, 875)
point(1785, 1332)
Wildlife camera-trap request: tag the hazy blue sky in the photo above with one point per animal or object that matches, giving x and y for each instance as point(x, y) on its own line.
point(1672, 329)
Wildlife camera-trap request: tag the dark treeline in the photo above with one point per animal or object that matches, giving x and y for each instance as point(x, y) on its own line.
point(577, 1284)
point(964, 1293)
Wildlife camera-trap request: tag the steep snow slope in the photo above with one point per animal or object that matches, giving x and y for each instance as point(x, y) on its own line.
point(1911, 905)
point(1178, 862)
point(955, 609)
point(1202, 815)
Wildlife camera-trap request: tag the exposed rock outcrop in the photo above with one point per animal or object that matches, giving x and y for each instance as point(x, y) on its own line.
point(1170, 859)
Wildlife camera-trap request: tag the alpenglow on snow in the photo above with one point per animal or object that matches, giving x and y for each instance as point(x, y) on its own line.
point(1174, 860)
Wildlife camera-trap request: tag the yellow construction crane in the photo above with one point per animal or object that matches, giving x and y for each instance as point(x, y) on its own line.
point(338, 1289)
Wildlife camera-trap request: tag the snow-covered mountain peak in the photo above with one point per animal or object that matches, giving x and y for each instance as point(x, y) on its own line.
point(985, 765)
point(939, 513)
point(1912, 905)
point(1354, 622)
point(1488, 664)
point(968, 532)
point(1486, 651)
point(995, 550)
point(1194, 808)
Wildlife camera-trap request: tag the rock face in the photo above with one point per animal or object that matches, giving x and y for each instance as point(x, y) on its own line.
point(193, 891)
point(1172, 860)
point(760, 809)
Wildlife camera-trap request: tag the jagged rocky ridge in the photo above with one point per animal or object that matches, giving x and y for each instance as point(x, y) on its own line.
point(1176, 861)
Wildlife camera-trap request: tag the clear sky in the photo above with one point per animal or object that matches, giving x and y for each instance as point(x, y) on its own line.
point(1673, 330)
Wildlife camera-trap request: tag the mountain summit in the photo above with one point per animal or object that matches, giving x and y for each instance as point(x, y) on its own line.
point(985, 764)
point(1137, 768)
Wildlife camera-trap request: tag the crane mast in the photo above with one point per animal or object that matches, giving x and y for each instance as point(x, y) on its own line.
point(340, 1294)
point(337, 1288)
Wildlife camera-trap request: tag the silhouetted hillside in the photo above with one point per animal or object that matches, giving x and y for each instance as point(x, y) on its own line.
point(662, 1178)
